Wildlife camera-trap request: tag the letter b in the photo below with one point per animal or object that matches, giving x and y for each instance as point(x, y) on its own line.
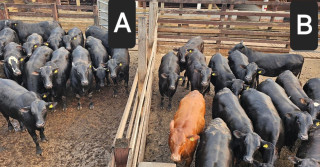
point(307, 24)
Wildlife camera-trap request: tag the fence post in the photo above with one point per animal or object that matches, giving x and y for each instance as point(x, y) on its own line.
point(96, 15)
point(142, 52)
point(78, 4)
point(58, 2)
point(55, 12)
point(153, 10)
point(6, 13)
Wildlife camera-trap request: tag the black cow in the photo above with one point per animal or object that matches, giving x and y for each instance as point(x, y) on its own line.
point(199, 74)
point(73, 39)
point(215, 145)
point(245, 142)
point(242, 69)
point(312, 89)
point(31, 78)
point(3, 24)
point(222, 75)
point(193, 43)
point(296, 123)
point(294, 90)
point(273, 64)
point(13, 62)
point(7, 35)
point(26, 29)
point(168, 74)
point(55, 39)
point(99, 57)
point(99, 34)
point(26, 107)
point(118, 67)
point(309, 152)
point(81, 75)
point(55, 75)
point(33, 42)
point(265, 119)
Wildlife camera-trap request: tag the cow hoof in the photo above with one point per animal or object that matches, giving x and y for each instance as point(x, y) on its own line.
point(10, 129)
point(169, 108)
point(91, 106)
point(23, 129)
point(79, 108)
point(39, 152)
point(64, 109)
point(161, 107)
point(44, 140)
point(114, 95)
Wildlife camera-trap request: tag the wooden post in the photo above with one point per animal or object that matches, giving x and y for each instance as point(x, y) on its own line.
point(142, 52)
point(222, 17)
point(54, 12)
point(209, 8)
point(153, 10)
point(6, 13)
point(78, 4)
point(96, 15)
point(121, 152)
point(58, 2)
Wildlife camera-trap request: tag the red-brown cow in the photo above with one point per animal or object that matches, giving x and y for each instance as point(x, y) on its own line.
point(187, 124)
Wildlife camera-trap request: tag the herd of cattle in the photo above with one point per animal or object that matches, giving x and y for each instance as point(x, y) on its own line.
point(248, 116)
point(40, 58)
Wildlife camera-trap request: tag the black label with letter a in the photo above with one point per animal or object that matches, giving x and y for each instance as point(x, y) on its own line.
point(122, 23)
point(304, 25)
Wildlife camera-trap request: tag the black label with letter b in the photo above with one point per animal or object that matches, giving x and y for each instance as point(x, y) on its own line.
point(122, 23)
point(304, 25)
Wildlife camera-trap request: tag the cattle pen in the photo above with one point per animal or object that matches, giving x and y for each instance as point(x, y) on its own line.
point(137, 134)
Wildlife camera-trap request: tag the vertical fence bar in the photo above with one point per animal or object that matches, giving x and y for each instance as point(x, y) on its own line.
point(6, 13)
point(96, 15)
point(153, 10)
point(142, 52)
point(58, 2)
point(55, 12)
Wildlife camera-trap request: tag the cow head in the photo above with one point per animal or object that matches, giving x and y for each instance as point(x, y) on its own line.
point(47, 72)
point(38, 110)
point(183, 54)
point(100, 73)
point(114, 68)
point(172, 80)
point(82, 71)
point(237, 86)
point(252, 70)
point(303, 122)
point(29, 47)
point(252, 142)
point(54, 43)
point(240, 46)
point(14, 65)
point(178, 141)
point(71, 42)
point(313, 107)
point(304, 162)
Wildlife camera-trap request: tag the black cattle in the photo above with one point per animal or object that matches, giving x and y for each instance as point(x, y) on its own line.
point(308, 154)
point(273, 64)
point(242, 69)
point(31, 78)
point(55, 39)
point(294, 90)
point(5, 23)
point(312, 89)
point(265, 119)
point(26, 107)
point(296, 123)
point(33, 42)
point(7, 35)
point(222, 75)
point(118, 67)
point(73, 39)
point(168, 74)
point(81, 75)
point(245, 141)
point(26, 29)
point(55, 74)
point(215, 146)
point(99, 57)
point(13, 62)
point(199, 74)
point(99, 34)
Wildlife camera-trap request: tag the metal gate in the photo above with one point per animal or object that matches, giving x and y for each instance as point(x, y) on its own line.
point(103, 13)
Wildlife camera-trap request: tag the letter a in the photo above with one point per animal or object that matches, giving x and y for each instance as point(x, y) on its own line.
point(307, 24)
point(125, 25)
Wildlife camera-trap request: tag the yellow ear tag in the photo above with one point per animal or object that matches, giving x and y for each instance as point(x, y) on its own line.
point(191, 139)
point(44, 96)
point(265, 146)
point(51, 106)
point(90, 66)
point(120, 64)
point(180, 79)
point(21, 59)
point(248, 88)
point(74, 37)
point(259, 72)
point(190, 51)
point(55, 71)
point(35, 46)
point(213, 74)
point(15, 24)
point(318, 123)
point(46, 44)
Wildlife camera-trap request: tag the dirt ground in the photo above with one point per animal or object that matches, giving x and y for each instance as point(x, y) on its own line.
point(157, 149)
point(76, 138)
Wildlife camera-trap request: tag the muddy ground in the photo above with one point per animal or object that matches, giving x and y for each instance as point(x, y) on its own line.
point(76, 138)
point(157, 149)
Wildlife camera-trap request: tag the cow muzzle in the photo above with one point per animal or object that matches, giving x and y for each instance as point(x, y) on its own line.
point(204, 83)
point(303, 137)
point(84, 83)
point(101, 84)
point(48, 86)
point(172, 87)
point(248, 159)
point(17, 72)
point(248, 79)
point(40, 125)
point(175, 158)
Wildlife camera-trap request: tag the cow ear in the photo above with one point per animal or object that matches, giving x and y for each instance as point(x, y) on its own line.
point(289, 115)
point(19, 47)
point(25, 109)
point(294, 159)
point(172, 125)
point(176, 49)
point(261, 71)
point(316, 123)
point(266, 145)
point(303, 101)
point(35, 73)
point(164, 75)
point(51, 104)
point(193, 137)
point(238, 134)
point(243, 66)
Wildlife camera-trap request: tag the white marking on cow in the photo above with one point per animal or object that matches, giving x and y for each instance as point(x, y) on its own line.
point(316, 104)
point(12, 58)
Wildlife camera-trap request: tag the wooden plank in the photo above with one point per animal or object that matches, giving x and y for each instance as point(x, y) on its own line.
point(96, 15)
point(281, 3)
point(54, 12)
point(133, 115)
point(153, 6)
point(30, 14)
point(76, 15)
point(142, 52)
point(156, 164)
point(189, 30)
point(58, 2)
point(239, 23)
point(31, 6)
point(72, 7)
point(6, 14)
point(78, 4)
